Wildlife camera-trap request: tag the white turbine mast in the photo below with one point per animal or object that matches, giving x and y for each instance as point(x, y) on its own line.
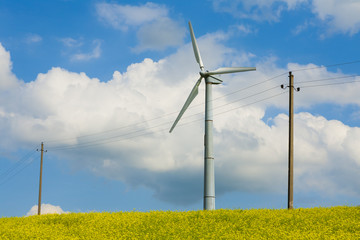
point(209, 173)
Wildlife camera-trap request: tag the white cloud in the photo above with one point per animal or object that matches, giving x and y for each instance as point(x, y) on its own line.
point(300, 28)
point(124, 16)
point(155, 29)
point(71, 42)
point(340, 15)
point(259, 10)
point(136, 105)
point(94, 54)
point(160, 34)
point(337, 15)
point(7, 78)
point(245, 29)
point(45, 209)
point(33, 38)
point(346, 94)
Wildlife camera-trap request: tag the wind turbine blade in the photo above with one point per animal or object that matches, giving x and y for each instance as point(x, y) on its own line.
point(225, 70)
point(193, 94)
point(195, 47)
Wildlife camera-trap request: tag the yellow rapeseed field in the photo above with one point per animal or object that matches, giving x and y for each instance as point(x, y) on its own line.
point(315, 223)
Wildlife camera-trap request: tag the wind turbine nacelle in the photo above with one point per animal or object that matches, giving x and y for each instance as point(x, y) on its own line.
point(213, 80)
point(209, 79)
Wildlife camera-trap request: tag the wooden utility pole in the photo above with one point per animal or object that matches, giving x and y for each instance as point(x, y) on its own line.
point(40, 181)
point(291, 141)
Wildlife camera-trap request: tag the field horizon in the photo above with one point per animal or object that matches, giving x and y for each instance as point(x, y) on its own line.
point(341, 222)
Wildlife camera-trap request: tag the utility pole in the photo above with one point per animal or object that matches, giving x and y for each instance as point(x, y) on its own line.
point(291, 141)
point(40, 181)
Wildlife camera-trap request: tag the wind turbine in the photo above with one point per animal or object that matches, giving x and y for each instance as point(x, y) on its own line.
point(209, 173)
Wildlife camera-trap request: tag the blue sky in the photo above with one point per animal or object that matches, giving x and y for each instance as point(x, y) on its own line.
point(100, 83)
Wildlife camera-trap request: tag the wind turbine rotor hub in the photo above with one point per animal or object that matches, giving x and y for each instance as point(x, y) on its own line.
point(204, 74)
point(208, 76)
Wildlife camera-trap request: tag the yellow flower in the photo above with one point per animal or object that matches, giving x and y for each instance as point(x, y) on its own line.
point(315, 223)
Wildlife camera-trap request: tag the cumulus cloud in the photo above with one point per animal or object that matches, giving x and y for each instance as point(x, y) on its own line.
point(45, 209)
point(155, 29)
point(119, 128)
point(340, 15)
point(8, 79)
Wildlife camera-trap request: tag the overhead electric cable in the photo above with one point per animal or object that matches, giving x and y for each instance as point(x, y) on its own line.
point(105, 140)
point(325, 66)
point(100, 138)
point(17, 163)
point(143, 132)
point(112, 131)
point(251, 86)
point(18, 167)
point(237, 100)
point(327, 79)
point(52, 141)
point(328, 84)
point(236, 108)
point(245, 105)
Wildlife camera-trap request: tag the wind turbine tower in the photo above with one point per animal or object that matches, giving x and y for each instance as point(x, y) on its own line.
point(209, 171)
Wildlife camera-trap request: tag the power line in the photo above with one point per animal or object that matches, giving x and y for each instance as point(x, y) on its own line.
point(328, 84)
point(246, 105)
point(112, 130)
point(251, 86)
point(17, 163)
point(18, 167)
point(326, 66)
point(238, 107)
point(23, 162)
point(237, 100)
point(156, 118)
point(328, 79)
point(144, 132)
point(175, 112)
point(106, 138)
